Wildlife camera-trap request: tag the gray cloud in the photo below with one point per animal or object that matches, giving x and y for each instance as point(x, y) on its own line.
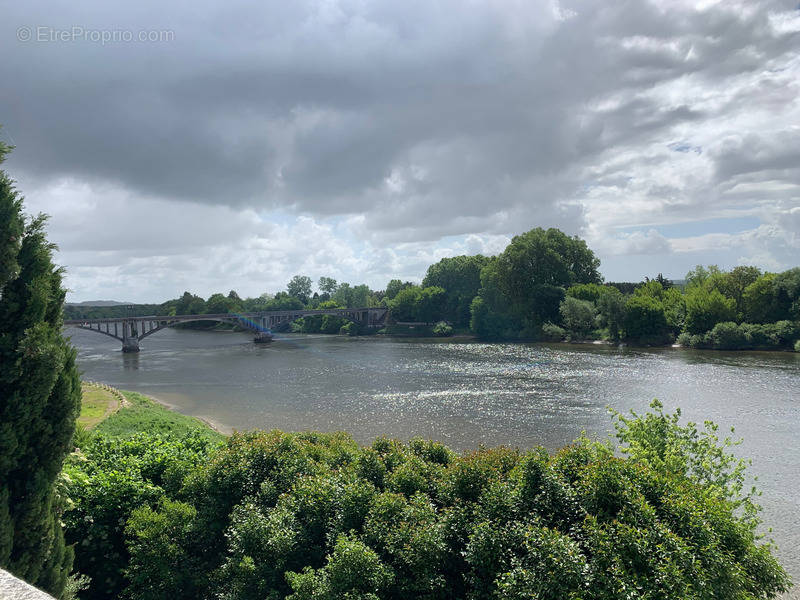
point(416, 121)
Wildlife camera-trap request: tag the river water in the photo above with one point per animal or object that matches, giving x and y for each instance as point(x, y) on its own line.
point(466, 394)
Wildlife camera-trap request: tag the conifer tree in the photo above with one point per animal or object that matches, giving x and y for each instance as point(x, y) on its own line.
point(39, 397)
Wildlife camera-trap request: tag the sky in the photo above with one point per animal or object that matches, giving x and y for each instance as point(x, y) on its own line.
point(214, 146)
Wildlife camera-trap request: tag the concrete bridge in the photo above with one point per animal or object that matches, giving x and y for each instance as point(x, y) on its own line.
point(131, 330)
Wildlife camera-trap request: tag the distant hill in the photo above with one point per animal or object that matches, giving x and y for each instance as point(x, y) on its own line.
point(97, 303)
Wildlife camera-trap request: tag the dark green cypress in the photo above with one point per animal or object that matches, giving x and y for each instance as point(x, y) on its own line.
point(39, 397)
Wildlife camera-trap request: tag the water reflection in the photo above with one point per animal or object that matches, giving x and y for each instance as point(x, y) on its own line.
point(130, 361)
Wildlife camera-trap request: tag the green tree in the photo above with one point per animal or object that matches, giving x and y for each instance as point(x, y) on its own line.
point(327, 286)
point(189, 304)
point(705, 308)
point(527, 280)
point(360, 297)
point(39, 398)
point(611, 311)
point(394, 287)
point(577, 316)
point(300, 287)
point(645, 320)
point(460, 276)
point(220, 304)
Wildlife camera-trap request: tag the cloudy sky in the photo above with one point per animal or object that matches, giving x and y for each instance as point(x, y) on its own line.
point(188, 145)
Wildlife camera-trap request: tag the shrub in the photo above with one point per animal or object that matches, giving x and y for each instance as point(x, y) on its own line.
point(684, 339)
point(553, 333)
point(577, 316)
point(645, 320)
point(797, 346)
point(315, 516)
point(728, 336)
point(350, 328)
point(442, 329)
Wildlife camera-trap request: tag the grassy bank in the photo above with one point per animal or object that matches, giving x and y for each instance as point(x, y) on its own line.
point(101, 412)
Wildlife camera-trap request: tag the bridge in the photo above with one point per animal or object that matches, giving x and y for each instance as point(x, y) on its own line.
point(132, 330)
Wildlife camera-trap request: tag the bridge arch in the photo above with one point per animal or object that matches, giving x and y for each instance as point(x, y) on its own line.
point(131, 330)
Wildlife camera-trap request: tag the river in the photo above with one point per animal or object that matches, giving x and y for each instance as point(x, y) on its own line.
point(465, 394)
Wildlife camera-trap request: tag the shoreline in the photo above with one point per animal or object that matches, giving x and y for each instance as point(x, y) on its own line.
point(220, 428)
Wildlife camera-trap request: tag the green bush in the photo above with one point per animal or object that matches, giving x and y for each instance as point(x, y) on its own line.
point(553, 333)
point(277, 515)
point(684, 339)
point(797, 346)
point(350, 328)
point(728, 336)
point(645, 320)
point(577, 316)
point(442, 329)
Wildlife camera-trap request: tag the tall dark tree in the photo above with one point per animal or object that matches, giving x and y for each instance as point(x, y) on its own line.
point(39, 398)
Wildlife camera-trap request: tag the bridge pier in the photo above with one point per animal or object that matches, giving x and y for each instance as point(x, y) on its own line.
point(130, 337)
point(130, 344)
point(263, 337)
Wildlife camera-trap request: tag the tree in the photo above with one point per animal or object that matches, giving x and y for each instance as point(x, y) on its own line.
point(360, 297)
point(39, 398)
point(460, 276)
point(300, 287)
point(394, 287)
point(611, 311)
point(705, 308)
point(189, 304)
point(645, 320)
point(577, 315)
point(538, 260)
point(327, 285)
point(219, 304)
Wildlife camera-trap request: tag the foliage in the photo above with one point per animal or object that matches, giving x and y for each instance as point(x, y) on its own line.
point(142, 414)
point(350, 328)
point(611, 311)
point(316, 516)
point(327, 286)
point(577, 316)
point(39, 398)
point(394, 287)
point(320, 324)
point(460, 277)
point(797, 346)
point(416, 304)
point(553, 333)
point(533, 268)
point(746, 336)
point(442, 329)
point(300, 287)
point(705, 308)
point(107, 482)
point(645, 320)
point(658, 440)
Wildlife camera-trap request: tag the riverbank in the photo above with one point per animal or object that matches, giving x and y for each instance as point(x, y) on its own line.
point(139, 412)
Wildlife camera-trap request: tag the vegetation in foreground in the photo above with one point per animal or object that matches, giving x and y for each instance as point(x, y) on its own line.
point(182, 514)
point(39, 398)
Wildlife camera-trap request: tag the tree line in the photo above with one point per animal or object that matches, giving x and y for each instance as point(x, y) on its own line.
point(545, 285)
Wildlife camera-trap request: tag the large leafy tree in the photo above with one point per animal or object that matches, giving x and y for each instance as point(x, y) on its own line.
point(460, 276)
point(39, 398)
point(526, 282)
